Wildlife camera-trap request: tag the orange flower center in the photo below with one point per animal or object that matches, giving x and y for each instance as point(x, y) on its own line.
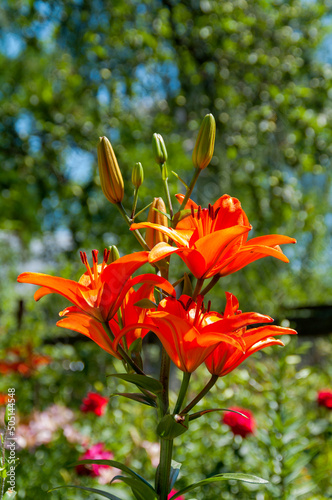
point(204, 219)
point(92, 277)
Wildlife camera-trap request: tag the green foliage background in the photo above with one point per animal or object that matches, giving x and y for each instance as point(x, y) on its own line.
point(72, 71)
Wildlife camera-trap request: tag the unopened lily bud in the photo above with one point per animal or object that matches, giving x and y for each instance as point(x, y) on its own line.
point(152, 236)
point(110, 174)
point(137, 176)
point(159, 149)
point(114, 254)
point(204, 146)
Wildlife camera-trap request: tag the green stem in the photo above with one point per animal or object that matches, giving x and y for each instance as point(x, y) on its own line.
point(201, 395)
point(137, 234)
point(134, 203)
point(122, 351)
point(183, 392)
point(165, 364)
point(168, 197)
point(198, 288)
point(164, 470)
point(143, 209)
point(210, 285)
point(191, 187)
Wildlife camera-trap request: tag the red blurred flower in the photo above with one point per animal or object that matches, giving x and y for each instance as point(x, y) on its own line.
point(172, 492)
point(95, 452)
point(240, 425)
point(214, 240)
point(225, 358)
point(22, 360)
point(97, 295)
point(95, 403)
point(324, 398)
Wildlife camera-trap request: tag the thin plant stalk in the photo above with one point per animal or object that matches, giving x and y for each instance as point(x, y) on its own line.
point(137, 234)
point(201, 395)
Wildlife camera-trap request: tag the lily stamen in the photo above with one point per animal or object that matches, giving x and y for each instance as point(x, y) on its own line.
point(85, 261)
point(95, 264)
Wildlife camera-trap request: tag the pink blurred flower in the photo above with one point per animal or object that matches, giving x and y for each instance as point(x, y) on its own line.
point(153, 451)
point(324, 398)
point(94, 403)
point(181, 497)
point(240, 425)
point(95, 452)
point(42, 427)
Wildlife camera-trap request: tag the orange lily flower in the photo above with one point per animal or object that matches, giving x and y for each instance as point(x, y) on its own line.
point(214, 240)
point(132, 315)
point(189, 333)
point(97, 295)
point(99, 291)
point(225, 358)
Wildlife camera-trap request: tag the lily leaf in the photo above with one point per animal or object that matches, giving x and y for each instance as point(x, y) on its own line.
point(141, 381)
point(136, 346)
point(198, 414)
point(140, 398)
point(146, 304)
point(118, 465)
point(247, 478)
point(175, 471)
point(182, 214)
point(104, 494)
point(171, 426)
point(162, 213)
point(187, 288)
point(139, 489)
point(181, 180)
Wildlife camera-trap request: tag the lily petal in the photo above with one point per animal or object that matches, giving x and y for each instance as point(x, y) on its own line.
point(90, 327)
point(171, 233)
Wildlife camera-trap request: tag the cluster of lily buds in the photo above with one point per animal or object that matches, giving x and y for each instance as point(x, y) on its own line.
point(110, 174)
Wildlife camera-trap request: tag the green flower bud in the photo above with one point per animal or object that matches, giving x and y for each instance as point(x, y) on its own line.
point(110, 174)
point(114, 254)
point(204, 146)
point(137, 176)
point(159, 149)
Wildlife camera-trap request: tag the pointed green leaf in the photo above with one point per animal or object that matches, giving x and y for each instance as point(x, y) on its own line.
point(113, 463)
point(177, 282)
point(136, 346)
point(182, 214)
point(198, 414)
point(140, 398)
point(146, 304)
point(187, 288)
point(104, 494)
point(175, 471)
point(247, 478)
point(171, 426)
point(141, 381)
point(181, 180)
point(140, 490)
point(162, 213)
